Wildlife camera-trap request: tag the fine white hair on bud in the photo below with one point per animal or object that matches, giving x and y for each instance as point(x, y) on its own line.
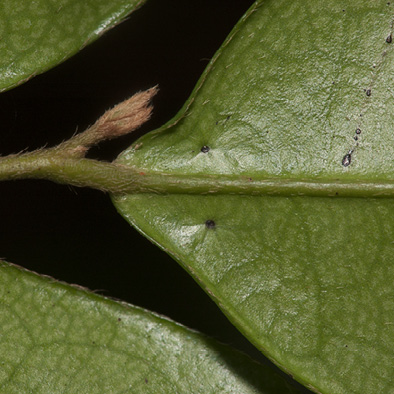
point(126, 116)
point(117, 121)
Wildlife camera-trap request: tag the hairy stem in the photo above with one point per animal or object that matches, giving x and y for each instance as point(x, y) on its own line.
point(52, 165)
point(66, 163)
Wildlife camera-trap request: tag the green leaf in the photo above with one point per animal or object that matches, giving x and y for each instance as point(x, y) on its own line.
point(273, 170)
point(37, 35)
point(64, 339)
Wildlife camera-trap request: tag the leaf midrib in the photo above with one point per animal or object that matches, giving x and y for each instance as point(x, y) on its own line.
point(231, 184)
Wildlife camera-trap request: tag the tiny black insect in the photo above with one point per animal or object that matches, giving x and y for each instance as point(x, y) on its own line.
point(205, 149)
point(210, 224)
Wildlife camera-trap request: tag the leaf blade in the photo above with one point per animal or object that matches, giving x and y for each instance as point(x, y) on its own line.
point(281, 100)
point(61, 338)
point(303, 312)
point(40, 35)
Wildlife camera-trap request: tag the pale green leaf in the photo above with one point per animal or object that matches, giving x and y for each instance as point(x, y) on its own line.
point(37, 35)
point(288, 237)
point(56, 338)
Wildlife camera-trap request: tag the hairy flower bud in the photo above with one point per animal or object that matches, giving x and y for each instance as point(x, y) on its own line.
point(126, 116)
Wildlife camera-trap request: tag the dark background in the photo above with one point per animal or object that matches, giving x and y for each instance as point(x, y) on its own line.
point(73, 234)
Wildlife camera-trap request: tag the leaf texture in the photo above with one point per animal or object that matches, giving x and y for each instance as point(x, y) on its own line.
point(37, 35)
point(299, 98)
point(63, 339)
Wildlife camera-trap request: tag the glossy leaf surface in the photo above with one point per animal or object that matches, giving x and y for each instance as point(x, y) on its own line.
point(59, 338)
point(301, 93)
point(37, 35)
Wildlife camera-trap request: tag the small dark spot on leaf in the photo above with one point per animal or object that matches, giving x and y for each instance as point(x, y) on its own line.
point(336, 193)
point(119, 319)
point(389, 39)
point(368, 92)
point(205, 149)
point(343, 10)
point(355, 138)
point(210, 224)
point(217, 122)
point(228, 117)
point(347, 159)
point(146, 380)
